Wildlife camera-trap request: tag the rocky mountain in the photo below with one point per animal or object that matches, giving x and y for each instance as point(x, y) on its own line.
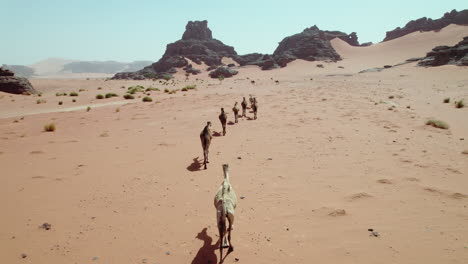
point(20, 70)
point(312, 44)
point(443, 55)
point(197, 44)
point(10, 83)
point(427, 24)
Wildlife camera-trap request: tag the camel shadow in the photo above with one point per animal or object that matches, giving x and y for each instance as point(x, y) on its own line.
point(195, 166)
point(230, 123)
point(206, 254)
point(249, 118)
point(217, 134)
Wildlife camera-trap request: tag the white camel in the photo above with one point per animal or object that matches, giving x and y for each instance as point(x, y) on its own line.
point(225, 202)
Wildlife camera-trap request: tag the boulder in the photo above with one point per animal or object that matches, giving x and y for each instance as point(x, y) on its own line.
point(443, 55)
point(222, 71)
point(14, 84)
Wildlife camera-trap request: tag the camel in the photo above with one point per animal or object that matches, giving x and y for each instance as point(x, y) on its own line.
point(225, 202)
point(244, 107)
point(205, 137)
point(223, 119)
point(255, 107)
point(235, 109)
point(251, 99)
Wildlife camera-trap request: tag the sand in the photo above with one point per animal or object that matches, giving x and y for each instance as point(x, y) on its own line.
point(332, 154)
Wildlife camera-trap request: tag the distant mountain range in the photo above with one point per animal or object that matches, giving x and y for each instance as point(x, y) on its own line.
point(59, 66)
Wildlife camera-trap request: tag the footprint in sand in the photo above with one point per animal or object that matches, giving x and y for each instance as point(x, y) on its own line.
point(385, 181)
point(358, 196)
point(455, 195)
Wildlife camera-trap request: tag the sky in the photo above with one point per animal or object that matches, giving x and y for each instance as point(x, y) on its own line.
point(125, 30)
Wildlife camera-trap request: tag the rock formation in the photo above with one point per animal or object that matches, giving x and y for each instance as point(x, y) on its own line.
point(427, 24)
point(443, 55)
point(10, 83)
point(197, 44)
point(222, 72)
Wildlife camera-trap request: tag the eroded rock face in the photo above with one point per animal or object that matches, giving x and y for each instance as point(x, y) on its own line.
point(443, 55)
point(427, 24)
point(197, 44)
point(13, 84)
point(312, 44)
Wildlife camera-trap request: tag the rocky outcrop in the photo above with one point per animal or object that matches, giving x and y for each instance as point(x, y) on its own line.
point(312, 44)
point(10, 83)
point(197, 44)
point(20, 70)
point(427, 24)
point(443, 55)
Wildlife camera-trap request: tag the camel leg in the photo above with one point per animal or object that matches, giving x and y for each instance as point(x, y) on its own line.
point(221, 238)
point(231, 248)
point(224, 130)
point(205, 157)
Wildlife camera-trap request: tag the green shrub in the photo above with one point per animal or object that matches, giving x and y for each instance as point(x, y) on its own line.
point(60, 94)
point(152, 89)
point(147, 99)
point(167, 77)
point(88, 109)
point(109, 95)
point(73, 94)
point(99, 96)
point(437, 123)
point(81, 90)
point(166, 90)
point(460, 104)
point(129, 96)
point(49, 127)
point(41, 101)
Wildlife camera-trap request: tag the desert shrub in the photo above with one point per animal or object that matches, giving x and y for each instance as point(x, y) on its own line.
point(437, 123)
point(147, 99)
point(109, 95)
point(166, 90)
point(49, 127)
point(460, 104)
point(135, 89)
point(117, 109)
point(88, 109)
point(81, 90)
point(167, 77)
point(221, 78)
point(74, 100)
point(447, 100)
point(41, 101)
point(189, 87)
point(129, 96)
point(152, 89)
point(60, 94)
point(73, 94)
point(60, 103)
point(99, 96)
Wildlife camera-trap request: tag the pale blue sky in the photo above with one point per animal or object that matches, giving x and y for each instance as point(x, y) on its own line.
point(125, 30)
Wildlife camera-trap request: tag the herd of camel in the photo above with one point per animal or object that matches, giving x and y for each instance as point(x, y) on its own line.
point(225, 200)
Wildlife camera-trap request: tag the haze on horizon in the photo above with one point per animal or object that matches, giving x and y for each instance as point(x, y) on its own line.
point(127, 31)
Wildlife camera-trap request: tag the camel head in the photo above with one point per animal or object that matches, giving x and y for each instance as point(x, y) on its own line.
point(208, 124)
point(222, 110)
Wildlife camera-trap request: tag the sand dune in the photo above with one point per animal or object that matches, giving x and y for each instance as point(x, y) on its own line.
point(391, 52)
point(330, 157)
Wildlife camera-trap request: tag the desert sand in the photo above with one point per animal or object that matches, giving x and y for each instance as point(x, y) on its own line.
point(332, 154)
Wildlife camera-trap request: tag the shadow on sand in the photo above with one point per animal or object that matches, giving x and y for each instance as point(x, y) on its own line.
point(206, 254)
point(195, 166)
point(217, 134)
point(230, 123)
